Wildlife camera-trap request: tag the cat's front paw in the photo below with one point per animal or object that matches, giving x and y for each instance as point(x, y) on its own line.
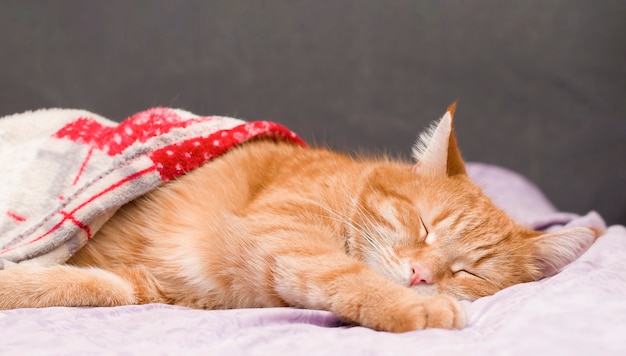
point(440, 311)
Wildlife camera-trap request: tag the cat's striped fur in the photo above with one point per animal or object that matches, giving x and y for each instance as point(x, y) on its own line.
point(387, 244)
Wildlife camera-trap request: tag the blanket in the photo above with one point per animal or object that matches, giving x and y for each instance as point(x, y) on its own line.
point(64, 172)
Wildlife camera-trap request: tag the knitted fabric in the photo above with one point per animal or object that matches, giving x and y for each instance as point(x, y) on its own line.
point(64, 173)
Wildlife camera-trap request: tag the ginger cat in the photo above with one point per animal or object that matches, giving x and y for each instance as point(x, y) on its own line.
point(387, 244)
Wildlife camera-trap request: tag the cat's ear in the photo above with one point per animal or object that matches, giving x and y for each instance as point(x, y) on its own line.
point(436, 150)
point(555, 250)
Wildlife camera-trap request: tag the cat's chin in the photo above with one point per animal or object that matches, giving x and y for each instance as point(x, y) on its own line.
point(425, 290)
point(431, 291)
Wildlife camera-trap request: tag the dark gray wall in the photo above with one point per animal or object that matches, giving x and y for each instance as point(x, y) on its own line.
point(541, 84)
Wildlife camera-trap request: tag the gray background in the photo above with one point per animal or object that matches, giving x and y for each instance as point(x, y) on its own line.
point(541, 84)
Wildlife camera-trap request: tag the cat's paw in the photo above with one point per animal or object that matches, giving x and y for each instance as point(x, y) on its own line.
point(440, 311)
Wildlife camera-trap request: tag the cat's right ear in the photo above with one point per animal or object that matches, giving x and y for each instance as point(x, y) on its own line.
point(436, 150)
point(555, 250)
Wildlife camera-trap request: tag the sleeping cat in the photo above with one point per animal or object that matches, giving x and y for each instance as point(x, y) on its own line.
point(387, 244)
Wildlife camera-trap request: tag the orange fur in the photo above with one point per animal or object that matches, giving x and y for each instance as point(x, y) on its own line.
point(376, 241)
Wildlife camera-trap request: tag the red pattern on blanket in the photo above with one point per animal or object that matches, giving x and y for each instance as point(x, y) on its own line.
point(98, 165)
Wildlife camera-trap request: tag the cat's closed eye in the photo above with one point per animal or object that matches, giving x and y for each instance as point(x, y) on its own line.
point(460, 270)
point(424, 232)
point(466, 273)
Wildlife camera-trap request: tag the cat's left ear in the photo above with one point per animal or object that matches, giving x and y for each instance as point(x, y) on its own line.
point(436, 150)
point(555, 250)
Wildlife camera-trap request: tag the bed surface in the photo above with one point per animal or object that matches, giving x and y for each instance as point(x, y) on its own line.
point(580, 311)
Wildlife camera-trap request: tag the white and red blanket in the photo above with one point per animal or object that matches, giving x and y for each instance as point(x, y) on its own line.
point(64, 173)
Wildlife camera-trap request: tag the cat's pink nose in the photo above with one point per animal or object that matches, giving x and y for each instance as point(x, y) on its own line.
point(421, 274)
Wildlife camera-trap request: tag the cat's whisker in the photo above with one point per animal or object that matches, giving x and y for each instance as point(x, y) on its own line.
point(374, 246)
point(382, 250)
point(372, 231)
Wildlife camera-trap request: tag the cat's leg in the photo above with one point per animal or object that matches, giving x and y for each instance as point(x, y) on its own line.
point(354, 292)
point(63, 285)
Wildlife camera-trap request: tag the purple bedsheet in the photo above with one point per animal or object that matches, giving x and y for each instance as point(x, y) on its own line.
point(580, 311)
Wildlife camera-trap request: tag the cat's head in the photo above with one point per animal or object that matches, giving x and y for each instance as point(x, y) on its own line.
point(430, 228)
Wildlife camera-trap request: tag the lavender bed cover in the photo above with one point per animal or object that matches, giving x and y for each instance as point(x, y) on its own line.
point(580, 311)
